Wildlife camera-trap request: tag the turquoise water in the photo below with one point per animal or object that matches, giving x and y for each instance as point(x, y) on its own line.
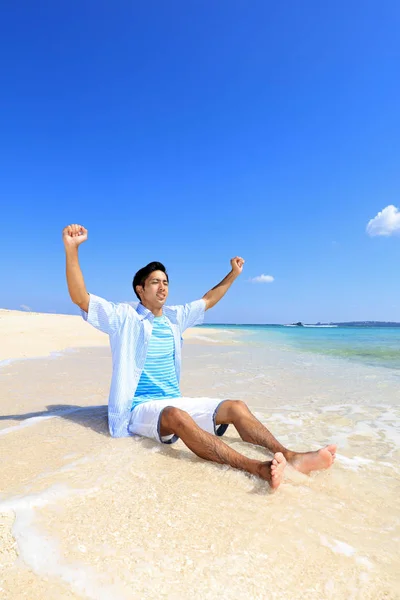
point(378, 346)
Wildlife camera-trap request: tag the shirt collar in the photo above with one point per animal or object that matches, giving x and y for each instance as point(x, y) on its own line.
point(143, 312)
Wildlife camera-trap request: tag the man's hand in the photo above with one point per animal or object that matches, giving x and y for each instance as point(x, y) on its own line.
point(237, 265)
point(217, 292)
point(74, 235)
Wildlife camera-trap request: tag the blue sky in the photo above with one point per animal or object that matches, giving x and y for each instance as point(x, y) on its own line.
point(191, 132)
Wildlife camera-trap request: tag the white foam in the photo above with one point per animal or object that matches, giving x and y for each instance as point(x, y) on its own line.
point(31, 501)
point(364, 562)
point(6, 362)
point(337, 546)
point(25, 423)
point(286, 420)
point(388, 424)
point(332, 408)
point(353, 463)
point(204, 337)
point(364, 429)
point(41, 553)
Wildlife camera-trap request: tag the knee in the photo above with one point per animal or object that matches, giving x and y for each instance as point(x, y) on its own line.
point(237, 408)
point(173, 418)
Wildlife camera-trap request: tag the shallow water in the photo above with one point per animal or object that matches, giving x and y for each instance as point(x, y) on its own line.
point(375, 346)
point(87, 516)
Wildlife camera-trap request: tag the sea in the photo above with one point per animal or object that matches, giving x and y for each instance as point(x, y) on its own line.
point(373, 346)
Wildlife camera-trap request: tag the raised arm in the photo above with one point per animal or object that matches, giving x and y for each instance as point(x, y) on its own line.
point(73, 236)
point(216, 293)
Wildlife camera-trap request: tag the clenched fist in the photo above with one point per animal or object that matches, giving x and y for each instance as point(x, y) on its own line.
point(237, 265)
point(74, 235)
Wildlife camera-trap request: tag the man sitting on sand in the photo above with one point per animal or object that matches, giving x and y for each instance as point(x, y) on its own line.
point(145, 397)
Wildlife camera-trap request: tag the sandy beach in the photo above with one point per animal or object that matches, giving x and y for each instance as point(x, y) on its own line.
point(33, 335)
point(83, 515)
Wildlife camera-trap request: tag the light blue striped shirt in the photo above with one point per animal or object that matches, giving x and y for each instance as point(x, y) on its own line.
point(129, 329)
point(158, 378)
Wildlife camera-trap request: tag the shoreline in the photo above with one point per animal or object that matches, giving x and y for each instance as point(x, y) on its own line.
point(76, 504)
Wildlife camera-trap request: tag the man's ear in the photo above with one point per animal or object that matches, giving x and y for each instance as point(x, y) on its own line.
point(139, 290)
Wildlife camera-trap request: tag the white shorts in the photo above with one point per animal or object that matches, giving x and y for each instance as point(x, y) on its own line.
point(146, 417)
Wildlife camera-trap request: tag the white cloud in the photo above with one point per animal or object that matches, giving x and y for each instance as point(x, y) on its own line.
point(262, 279)
point(386, 222)
point(25, 307)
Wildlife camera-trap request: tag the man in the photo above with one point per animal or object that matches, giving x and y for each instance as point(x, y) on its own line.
point(145, 398)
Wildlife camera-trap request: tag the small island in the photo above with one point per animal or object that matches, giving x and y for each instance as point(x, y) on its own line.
point(367, 324)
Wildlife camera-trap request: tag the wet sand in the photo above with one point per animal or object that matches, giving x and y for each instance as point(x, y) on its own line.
point(83, 515)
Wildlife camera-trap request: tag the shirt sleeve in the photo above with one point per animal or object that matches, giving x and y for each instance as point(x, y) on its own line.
point(104, 315)
point(191, 314)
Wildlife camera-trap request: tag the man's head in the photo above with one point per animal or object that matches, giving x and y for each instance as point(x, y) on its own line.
point(150, 285)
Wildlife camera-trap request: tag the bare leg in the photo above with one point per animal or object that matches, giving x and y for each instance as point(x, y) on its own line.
point(251, 430)
point(210, 447)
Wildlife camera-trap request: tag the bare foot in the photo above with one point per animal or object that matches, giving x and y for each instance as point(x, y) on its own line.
point(305, 462)
point(272, 471)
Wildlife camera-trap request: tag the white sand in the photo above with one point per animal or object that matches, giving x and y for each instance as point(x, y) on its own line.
point(83, 515)
point(30, 334)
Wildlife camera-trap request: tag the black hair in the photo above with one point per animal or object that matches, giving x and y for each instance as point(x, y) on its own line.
point(144, 272)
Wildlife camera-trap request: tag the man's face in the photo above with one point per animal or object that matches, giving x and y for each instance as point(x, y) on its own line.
point(154, 293)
